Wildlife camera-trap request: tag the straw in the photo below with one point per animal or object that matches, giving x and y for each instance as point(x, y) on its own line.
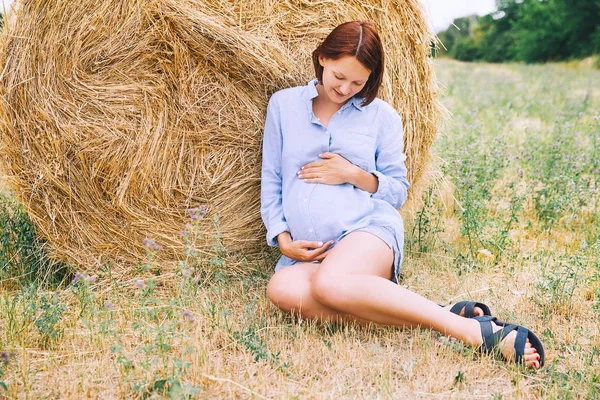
point(118, 116)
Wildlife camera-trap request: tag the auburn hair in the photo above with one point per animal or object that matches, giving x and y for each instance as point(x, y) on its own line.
point(361, 40)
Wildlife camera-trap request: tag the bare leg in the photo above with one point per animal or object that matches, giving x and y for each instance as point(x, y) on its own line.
point(354, 281)
point(290, 290)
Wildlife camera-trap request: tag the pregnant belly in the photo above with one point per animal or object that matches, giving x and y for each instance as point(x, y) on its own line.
point(324, 212)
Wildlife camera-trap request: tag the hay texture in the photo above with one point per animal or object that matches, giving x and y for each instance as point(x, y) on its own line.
point(119, 116)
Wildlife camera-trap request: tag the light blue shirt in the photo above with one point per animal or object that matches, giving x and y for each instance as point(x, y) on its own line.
point(370, 137)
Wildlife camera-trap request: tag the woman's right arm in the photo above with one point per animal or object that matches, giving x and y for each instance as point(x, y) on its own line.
point(271, 205)
point(271, 199)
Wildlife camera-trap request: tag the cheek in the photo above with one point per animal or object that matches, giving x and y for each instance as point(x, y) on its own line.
point(358, 89)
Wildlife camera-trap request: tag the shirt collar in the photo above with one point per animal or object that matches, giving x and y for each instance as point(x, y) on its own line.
point(312, 93)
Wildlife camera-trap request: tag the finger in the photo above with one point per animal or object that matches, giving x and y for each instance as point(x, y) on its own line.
point(327, 155)
point(319, 250)
point(309, 175)
point(308, 244)
point(322, 256)
point(314, 164)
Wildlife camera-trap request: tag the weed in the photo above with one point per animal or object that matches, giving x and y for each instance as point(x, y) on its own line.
point(427, 225)
point(558, 283)
point(45, 310)
point(80, 285)
point(5, 359)
point(460, 378)
point(23, 254)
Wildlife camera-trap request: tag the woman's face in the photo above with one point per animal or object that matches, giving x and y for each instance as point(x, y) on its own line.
point(343, 78)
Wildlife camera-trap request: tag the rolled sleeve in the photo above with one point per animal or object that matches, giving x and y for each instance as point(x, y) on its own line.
point(271, 206)
point(390, 168)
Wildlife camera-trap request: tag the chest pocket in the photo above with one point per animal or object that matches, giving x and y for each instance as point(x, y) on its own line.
point(359, 148)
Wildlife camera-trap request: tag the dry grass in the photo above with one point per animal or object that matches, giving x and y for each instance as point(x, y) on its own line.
point(117, 340)
point(118, 116)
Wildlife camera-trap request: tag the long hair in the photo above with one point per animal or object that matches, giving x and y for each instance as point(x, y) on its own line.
point(361, 40)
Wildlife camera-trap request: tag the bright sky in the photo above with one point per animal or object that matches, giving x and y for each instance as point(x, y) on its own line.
point(441, 13)
point(4, 4)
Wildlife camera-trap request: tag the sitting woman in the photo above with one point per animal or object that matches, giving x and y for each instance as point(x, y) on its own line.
point(333, 177)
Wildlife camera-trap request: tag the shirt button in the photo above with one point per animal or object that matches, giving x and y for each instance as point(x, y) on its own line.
point(327, 132)
point(310, 230)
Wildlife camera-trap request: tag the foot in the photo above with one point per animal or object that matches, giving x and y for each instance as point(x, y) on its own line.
point(531, 358)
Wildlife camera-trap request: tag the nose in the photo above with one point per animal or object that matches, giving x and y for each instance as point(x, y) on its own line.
point(345, 89)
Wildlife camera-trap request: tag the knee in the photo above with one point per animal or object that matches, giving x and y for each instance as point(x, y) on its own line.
point(284, 293)
point(328, 290)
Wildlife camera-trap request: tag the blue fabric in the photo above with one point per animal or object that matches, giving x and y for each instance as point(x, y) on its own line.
point(370, 137)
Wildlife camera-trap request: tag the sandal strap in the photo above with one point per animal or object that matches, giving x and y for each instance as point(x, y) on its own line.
point(469, 307)
point(520, 342)
point(458, 306)
point(492, 339)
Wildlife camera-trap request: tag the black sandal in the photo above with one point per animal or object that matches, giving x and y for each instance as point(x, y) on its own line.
point(491, 339)
point(469, 307)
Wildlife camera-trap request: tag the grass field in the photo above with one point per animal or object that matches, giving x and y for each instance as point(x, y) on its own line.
point(515, 223)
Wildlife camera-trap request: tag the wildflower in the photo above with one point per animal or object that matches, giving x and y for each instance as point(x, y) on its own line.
point(140, 283)
point(157, 247)
point(188, 272)
point(203, 210)
point(5, 357)
point(188, 315)
point(108, 305)
point(197, 213)
point(90, 278)
point(78, 277)
point(149, 243)
point(183, 233)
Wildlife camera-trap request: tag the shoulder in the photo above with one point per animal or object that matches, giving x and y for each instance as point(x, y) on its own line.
point(287, 95)
point(384, 112)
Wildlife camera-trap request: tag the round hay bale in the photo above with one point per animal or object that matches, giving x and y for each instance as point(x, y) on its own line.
point(119, 116)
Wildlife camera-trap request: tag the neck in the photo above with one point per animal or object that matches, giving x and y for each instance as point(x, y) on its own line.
point(324, 102)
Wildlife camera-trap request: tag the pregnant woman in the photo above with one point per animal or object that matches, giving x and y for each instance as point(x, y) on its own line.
point(333, 177)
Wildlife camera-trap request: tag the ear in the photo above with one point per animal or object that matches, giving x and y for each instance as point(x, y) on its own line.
point(321, 60)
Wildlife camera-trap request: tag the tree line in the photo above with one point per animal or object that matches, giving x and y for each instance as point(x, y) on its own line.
point(526, 30)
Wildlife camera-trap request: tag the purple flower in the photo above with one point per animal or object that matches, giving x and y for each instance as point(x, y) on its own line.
point(188, 272)
point(157, 247)
point(188, 315)
point(5, 357)
point(148, 242)
point(78, 277)
point(140, 283)
point(108, 305)
point(198, 212)
point(90, 278)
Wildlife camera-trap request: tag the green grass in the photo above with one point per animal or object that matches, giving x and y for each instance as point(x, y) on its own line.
point(515, 223)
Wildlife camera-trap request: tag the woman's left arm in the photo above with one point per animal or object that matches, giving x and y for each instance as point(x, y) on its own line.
point(390, 169)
